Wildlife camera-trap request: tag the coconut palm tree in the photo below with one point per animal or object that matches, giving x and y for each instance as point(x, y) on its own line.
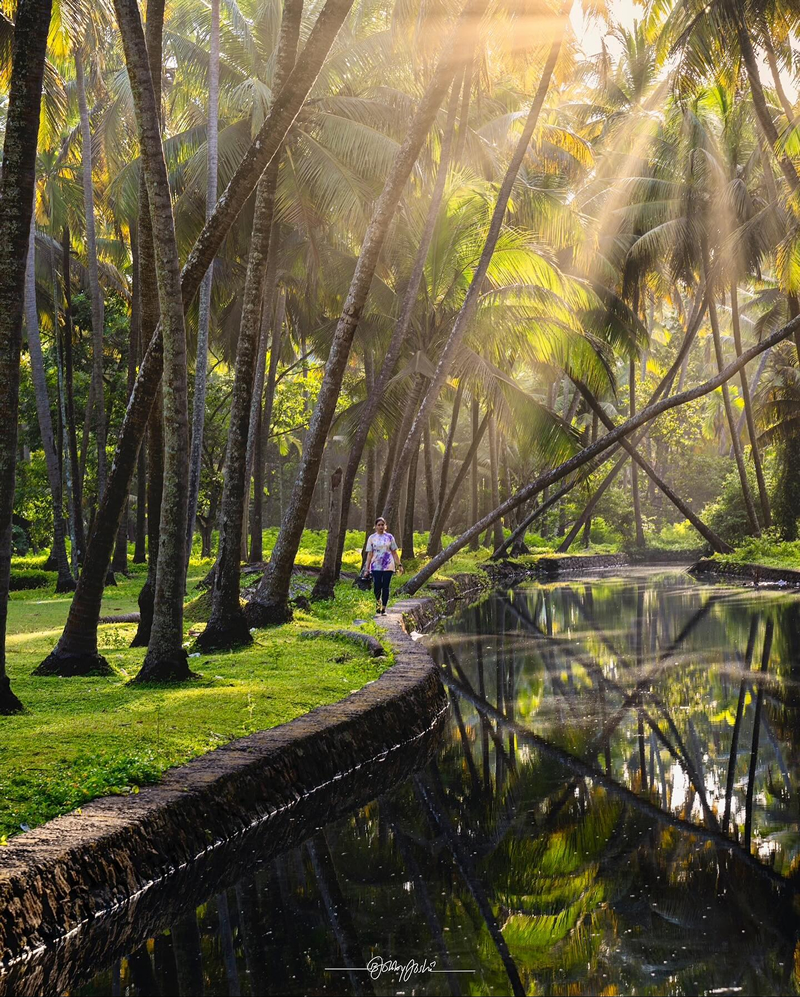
point(17, 185)
point(64, 582)
point(166, 659)
point(204, 303)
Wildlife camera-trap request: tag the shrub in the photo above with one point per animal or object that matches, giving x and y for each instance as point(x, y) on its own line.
point(30, 578)
point(727, 516)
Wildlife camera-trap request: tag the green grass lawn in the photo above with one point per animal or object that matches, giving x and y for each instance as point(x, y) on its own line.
point(80, 738)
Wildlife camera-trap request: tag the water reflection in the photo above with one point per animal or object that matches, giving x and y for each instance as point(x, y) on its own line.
point(613, 810)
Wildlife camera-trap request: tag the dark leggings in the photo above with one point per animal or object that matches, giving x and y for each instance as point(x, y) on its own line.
point(381, 580)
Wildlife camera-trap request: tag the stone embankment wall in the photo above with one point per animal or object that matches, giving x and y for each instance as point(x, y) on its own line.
point(750, 572)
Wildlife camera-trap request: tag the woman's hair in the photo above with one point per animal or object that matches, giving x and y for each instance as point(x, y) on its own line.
point(380, 519)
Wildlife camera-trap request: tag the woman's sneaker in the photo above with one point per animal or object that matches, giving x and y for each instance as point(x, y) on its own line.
point(383, 610)
point(378, 609)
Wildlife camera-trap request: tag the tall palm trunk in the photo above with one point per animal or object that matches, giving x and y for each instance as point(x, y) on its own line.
point(474, 475)
point(98, 306)
point(775, 72)
point(332, 561)
point(430, 488)
point(437, 520)
point(16, 201)
point(76, 650)
point(166, 658)
point(227, 626)
point(65, 582)
point(408, 519)
point(139, 550)
point(748, 409)
point(466, 466)
point(605, 443)
point(204, 304)
point(494, 475)
point(64, 466)
point(149, 317)
point(155, 490)
point(70, 428)
point(469, 305)
point(271, 601)
point(726, 401)
point(637, 509)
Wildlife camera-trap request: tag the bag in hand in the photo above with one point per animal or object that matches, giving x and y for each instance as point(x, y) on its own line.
point(363, 583)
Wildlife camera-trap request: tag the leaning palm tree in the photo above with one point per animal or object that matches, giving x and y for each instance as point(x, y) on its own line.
point(270, 603)
point(17, 185)
point(467, 310)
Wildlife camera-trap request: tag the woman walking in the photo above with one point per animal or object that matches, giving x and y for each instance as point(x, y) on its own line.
point(382, 561)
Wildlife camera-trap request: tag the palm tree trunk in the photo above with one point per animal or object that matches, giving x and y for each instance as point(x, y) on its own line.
point(726, 400)
point(166, 659)
point(155, 489)
point(748, 410)
point(120, 559)
point(595, 449)
point(494, 475)
point(257, 516)
point(430, 489)
point(227, 626)
point(65, 582)
point(437, 526)
point(256, 433)
point(637, 509)
point(587, 526)
point(408, 519)
point(270, 603)
point(139, 550)
point(98, 306)
point(474, 480)
point(76, 509)
point(518, 536)
point(77, 646)
point(64, 468)
point(149, 316)
point(466, 466)
point(204, 303)
point(777, 82)
point(17, 184)
point(324, 584)
point(469, 305)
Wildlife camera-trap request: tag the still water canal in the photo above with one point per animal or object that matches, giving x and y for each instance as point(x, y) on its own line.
point(613, 810)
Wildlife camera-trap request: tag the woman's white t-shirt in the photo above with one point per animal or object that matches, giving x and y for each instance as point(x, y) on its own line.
point(382, 545)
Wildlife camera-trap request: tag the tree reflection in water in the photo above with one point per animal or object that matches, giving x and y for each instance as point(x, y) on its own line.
point(613, 811)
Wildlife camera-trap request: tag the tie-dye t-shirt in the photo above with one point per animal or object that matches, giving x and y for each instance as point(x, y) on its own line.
point(382, 545)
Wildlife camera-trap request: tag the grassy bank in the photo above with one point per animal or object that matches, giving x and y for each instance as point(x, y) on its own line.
point(80, 738)
point(767, 550)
